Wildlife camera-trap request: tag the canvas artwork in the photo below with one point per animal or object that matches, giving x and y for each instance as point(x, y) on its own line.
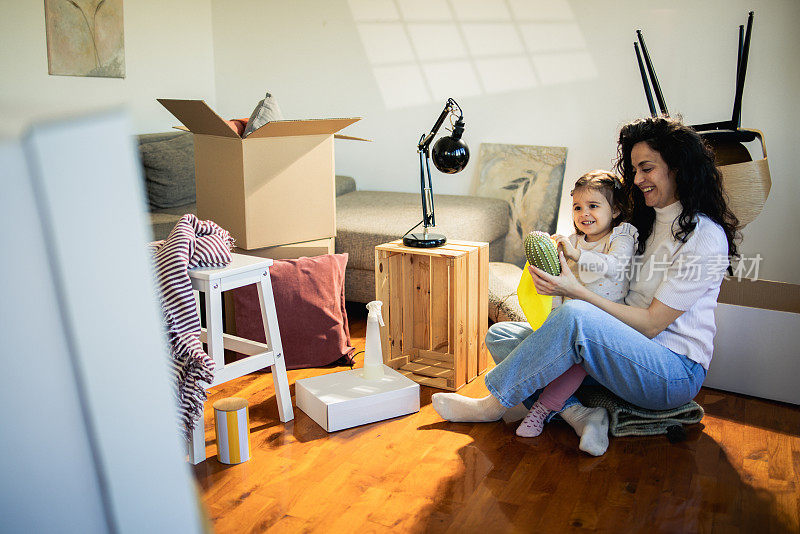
point(530, 179)
point(85, 38)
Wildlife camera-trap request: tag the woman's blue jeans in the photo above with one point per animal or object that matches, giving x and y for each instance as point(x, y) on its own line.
point(613, 354)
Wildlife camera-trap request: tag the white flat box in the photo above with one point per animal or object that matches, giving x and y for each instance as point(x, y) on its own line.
point(343, 400)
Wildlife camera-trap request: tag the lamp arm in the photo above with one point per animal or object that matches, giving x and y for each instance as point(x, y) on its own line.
point(423, 188)
point(448, 108)
point(426, 190)
point(431, 217)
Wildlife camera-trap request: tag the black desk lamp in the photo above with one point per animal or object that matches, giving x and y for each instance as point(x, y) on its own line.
point(450, 155)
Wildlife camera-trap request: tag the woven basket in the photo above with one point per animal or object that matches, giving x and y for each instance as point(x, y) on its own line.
point(747, 184)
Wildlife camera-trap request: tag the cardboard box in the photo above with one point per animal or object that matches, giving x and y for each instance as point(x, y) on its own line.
point(757, 345)
point(342, 400)
point(274, 187)
point(292, 251)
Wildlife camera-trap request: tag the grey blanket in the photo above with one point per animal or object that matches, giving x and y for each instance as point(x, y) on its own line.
point(626, 419)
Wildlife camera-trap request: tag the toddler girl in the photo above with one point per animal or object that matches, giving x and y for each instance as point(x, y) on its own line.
point(599, 254)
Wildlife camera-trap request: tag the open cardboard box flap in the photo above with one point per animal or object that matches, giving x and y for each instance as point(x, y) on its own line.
point(764, 294)
point(199, 118)
point(302, 127)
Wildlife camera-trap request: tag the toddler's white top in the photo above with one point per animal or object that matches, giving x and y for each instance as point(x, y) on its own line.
point(684, 276)
point(604, 265)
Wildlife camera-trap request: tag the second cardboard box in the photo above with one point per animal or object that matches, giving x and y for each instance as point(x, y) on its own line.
point(274, 187)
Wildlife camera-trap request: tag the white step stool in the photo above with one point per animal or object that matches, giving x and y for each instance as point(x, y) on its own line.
point(243, 270)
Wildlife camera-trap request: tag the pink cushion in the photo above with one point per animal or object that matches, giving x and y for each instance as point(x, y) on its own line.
point(309, 300)
point(238, 125)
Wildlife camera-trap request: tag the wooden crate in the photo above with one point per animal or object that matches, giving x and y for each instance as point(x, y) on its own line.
point(435, 306)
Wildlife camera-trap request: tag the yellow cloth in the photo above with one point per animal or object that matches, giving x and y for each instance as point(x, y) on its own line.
point(535, 306)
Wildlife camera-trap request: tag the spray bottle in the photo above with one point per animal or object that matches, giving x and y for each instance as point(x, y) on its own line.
point(373, 355)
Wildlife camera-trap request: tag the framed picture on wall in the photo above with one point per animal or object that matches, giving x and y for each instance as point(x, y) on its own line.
point(530, 179)
point(85, 38)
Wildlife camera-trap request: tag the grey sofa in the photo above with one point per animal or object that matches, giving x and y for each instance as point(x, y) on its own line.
point(364, 219)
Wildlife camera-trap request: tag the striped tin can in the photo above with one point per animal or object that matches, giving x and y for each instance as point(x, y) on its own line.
point(231, 425)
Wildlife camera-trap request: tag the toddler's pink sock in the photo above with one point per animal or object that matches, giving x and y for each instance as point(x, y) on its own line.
point(553, 397)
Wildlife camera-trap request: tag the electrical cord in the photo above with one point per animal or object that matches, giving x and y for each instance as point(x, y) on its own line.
point(412, 228)
point(353, 359)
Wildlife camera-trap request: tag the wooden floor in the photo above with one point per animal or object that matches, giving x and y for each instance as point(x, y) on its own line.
point(738, 471)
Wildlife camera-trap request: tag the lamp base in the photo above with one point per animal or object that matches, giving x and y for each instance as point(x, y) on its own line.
point(424, 240)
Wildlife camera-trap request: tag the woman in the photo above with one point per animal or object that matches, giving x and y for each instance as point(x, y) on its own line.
point(653, 350)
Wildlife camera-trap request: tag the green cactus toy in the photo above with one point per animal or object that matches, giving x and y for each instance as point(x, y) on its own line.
point(542, 253)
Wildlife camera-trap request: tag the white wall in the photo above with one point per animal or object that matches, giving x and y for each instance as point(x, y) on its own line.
point(572, 82)
point(168, 53)
point(555, 72)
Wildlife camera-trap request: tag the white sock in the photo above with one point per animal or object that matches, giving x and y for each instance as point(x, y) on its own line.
point(591, 424)
point(515, 414)
point(461, 409)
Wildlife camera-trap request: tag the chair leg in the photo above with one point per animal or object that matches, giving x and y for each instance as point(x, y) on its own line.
point(270, 318)
point(214, 338)
point(197, 444)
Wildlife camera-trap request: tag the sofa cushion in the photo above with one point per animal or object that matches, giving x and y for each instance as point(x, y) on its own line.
point(162, 221)
point(344, 185)
point(359, 285)
point(169, 171)
point(238, 125)
point(265, 111)
point(503, 300)
point(365, 219)
point(143, 139)
point(310, 303)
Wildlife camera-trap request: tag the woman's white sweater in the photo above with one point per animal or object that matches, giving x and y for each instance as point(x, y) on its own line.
point(684, 276)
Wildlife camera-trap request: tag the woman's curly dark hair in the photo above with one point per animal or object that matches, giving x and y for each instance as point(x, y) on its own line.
point(699, 182)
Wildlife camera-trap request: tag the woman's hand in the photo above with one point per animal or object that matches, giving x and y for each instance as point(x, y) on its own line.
point(569, 251)
point(563, 285)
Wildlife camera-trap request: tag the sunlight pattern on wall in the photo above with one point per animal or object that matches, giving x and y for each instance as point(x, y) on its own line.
point(428, 50)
